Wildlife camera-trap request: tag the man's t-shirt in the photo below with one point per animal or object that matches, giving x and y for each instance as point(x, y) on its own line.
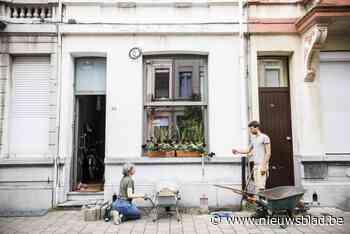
point(258, 143)
point(125, 183)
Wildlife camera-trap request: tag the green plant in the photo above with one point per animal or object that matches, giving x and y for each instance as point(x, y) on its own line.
point(192, 132)
point(150, 146)
point(161, 135)
point(166, 147)
point(181, 147)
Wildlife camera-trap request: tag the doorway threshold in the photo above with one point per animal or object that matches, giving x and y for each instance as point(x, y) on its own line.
point(78, 199)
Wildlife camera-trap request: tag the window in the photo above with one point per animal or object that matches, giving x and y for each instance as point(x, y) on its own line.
point(185, 87)
point(175, 104)
point(29, 112)
point(162, 79)
point(90, 76)
point(272, 73)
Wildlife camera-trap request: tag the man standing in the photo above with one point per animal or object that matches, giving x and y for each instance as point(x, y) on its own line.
point(260, 151)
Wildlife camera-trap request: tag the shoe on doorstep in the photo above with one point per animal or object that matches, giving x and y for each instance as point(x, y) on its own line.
point(116, 217)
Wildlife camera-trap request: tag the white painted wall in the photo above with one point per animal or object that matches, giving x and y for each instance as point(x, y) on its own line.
point(124, 125)
point(153, 12)
point(276, 11)
point(125, 89)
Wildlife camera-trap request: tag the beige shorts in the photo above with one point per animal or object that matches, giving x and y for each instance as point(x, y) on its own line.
point(259, 180)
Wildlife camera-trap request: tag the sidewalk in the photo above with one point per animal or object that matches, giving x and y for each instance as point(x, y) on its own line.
point(72, 222)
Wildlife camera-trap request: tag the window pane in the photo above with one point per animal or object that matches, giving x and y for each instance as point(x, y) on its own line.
point(176, 126)
point(190, 73)
point(273, 73)
point(162, 77)
point(90, 76)
point(185, 84)
point(272, 77)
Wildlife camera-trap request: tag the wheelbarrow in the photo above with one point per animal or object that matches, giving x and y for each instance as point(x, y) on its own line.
point(276, 201)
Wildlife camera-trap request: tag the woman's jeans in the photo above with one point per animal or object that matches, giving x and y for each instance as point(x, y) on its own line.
point(127, 209)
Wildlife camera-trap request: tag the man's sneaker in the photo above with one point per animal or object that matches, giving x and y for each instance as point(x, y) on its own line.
point(116, 217)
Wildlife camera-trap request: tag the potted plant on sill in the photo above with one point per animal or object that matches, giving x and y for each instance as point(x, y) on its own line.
point(167, 150)
point(160, 145)
point(192, 137)
point(151, 149)
point(190, 150)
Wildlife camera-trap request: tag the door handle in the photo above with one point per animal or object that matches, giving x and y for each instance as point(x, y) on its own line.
point(288, 138)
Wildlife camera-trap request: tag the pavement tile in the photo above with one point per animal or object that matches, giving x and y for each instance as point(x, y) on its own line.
point(72, 222)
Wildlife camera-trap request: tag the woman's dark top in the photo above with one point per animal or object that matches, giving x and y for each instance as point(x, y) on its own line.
point(125, 183)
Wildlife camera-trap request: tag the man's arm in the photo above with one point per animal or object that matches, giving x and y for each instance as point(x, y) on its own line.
point(267, 157)
point(133, 195)
point(246, 151)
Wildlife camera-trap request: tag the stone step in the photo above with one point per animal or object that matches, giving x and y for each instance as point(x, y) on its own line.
point(75, 200)
point(84, 196)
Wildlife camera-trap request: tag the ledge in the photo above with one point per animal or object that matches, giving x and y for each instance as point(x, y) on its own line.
point(48, 29)
point(150, 3)
point(218, 28)
point(167, 161)
point(324, 158)
point(6, 162)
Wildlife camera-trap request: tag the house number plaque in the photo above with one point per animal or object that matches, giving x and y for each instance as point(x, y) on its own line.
point(135, 53)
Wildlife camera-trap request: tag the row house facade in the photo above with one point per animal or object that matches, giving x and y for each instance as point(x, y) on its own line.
point(89, 85)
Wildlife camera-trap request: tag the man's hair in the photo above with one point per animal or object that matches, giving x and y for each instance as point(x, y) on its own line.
point(254, 124)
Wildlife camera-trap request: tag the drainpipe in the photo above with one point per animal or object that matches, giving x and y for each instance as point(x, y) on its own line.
point(244, 87)
point(57, 160)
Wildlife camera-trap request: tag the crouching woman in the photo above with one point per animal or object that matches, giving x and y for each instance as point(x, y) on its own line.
point(126, 209)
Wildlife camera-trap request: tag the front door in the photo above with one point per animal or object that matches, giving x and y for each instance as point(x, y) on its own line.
point(275, 118)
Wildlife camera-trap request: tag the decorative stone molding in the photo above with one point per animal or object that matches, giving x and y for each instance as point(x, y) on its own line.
point(312, 44)
point(310, 4)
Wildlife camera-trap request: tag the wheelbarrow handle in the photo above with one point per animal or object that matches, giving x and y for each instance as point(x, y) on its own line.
point(240, 192)
point(146, 198)
point(247, 196)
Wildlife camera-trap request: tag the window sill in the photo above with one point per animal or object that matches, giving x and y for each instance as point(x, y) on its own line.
point(37, 161)
point(170, 160)
point(176, 103)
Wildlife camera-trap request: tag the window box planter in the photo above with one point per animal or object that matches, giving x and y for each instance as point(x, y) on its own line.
point(183, 153)
point(160, 153)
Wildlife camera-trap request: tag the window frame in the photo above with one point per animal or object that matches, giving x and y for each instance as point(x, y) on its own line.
point(279, 64)
point(153, 62)
point(150, 62)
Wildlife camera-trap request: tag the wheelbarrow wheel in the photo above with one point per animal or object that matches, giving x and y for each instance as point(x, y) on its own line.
point(290, 213)
point(155, 214)
point(284, 226)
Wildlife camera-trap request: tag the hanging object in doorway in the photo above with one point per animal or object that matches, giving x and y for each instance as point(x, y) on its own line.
point(98, 103)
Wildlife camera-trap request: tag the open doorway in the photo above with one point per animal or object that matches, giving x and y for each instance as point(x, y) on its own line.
point(89, 124)
point(90, 142)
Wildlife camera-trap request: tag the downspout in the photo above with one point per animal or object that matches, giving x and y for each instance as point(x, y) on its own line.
point(243, 85)
point(57, 160)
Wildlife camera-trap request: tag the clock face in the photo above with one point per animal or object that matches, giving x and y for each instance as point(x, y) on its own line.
point(135, 53)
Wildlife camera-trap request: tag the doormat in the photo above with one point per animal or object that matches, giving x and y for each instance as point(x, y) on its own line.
point(23, 213)
point(92, 187)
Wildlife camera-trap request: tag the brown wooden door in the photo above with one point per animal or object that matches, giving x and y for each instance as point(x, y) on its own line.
point(275, 118)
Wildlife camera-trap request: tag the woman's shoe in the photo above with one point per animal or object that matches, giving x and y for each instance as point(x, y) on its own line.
point(116, 217)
